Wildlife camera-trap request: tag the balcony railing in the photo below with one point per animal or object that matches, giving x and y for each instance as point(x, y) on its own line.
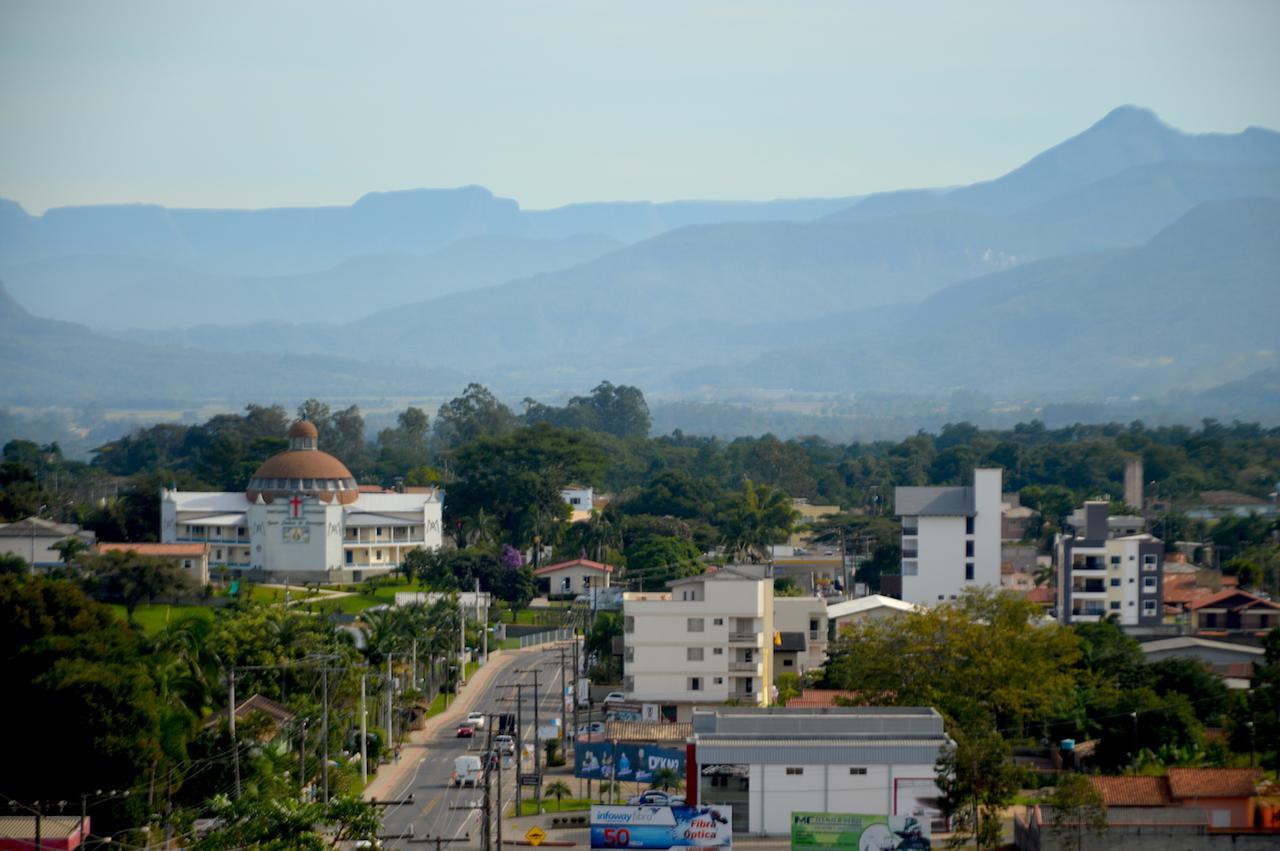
point(1088, 587)
point(910, 531)
point(749, 667)
point(745, 696)
point(744, 638)
point(910, 553)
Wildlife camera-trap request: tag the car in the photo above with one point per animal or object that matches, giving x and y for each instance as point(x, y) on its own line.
point(505, 745)
point(615, 697)
point(591, 729)
point(656, 798)
point(466, 730)
point(476, 719)
point(466, 770)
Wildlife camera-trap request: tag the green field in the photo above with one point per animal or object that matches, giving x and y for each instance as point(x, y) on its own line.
point(153, 617)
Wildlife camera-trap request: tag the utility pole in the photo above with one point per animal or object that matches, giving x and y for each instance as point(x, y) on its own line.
point(486, 831)
point(391, 720)
point(302, 762)
point(231, 712)
point(324, 734)
point(413, 667)
point(462, 644)
point(576, 696)
point(484, 632)
point(537, 743)
point(364, 737)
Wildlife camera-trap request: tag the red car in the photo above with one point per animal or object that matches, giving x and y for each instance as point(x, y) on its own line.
point(466, 731)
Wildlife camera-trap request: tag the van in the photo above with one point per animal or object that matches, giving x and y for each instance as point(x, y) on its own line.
point(466, 770)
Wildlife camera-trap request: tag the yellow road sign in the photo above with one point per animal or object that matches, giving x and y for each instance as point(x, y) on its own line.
point(535, 836)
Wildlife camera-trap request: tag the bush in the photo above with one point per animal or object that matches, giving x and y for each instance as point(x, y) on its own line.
point(553, 753)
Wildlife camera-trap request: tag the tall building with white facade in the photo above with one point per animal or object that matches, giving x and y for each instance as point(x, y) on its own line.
point(304, 519)
point(708, 639)
point(950, 538)
point(1107, 569)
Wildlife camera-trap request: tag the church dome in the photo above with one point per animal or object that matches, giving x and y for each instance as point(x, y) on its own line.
point(303, 469)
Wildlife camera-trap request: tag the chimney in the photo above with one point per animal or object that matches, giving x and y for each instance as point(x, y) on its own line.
point(1133, 483)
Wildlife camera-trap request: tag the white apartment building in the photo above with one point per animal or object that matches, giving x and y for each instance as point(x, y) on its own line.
point(800, 634)
point(1106, 569)
point(706, 640)
point(950, 538)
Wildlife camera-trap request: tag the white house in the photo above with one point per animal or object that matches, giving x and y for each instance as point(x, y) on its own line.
point(303, 518)
point(861, 609)
point(950, 538)
point(708, 639)
point(581, 500)
point(34, 539)
point(768, 763)
point(580, 576)
point(192, 558)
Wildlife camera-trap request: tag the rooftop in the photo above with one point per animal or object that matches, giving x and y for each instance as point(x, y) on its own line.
point(933, 501)
point(868, 603)
point(38, 527)
point(164, 550)
point(577, 562)
point(1214, 782)
point(1132, 791)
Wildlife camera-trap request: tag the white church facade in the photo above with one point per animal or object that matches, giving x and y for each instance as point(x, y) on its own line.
point(304, 519)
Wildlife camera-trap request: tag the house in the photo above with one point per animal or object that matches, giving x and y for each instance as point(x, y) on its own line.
point(1230, 660)
point(274, 718)
point(950, 538)
point(571, 578)
point(580, 499)
point(1185, 583)
point(192, 558)
point(1105, 570)
point(866, 608)
point(34, 538)
point(1217, 504)
point(1232, 610)
point(1223, 795)
point(767, 763)
point(708, 639)
point(800, 637)
point(1015, 518)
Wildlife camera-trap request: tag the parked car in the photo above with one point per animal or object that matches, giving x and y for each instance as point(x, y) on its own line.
point(615, 697)
point(656, 798)
point(466, 730)
point(476, 719)
point(505, 745)
point(591, 729)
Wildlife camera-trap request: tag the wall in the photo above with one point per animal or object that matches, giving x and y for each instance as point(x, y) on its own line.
point(775, 794)
point(941, 559)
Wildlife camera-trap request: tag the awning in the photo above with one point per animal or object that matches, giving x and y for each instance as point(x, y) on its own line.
point(360, 518)
point(215, 520)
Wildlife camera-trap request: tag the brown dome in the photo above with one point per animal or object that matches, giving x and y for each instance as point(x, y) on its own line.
point(303, 469)
point(304, 428)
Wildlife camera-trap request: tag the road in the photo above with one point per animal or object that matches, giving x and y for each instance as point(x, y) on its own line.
point(442, 810)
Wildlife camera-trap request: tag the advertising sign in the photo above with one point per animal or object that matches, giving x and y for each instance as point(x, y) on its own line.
point(661, 827)
point(637, 763)
point(858, 832)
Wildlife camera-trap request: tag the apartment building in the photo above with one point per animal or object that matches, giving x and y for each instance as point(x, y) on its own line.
point(706, 640)
point(1105, 569)
point(800, 634)
point(950, 538)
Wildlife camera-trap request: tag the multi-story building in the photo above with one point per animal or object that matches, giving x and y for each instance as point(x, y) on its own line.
point(950, 538)
point(800, 634)
point(1103, 571)
point(707, 639)
point(303, 518)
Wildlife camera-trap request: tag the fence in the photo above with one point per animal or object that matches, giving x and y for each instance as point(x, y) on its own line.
point(545, 637)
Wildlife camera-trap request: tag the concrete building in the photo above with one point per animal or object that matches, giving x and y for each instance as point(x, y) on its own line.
point(192, 558)
point(1232, 661)
point(579, 576)
point(581, 500)
point(303, 518)
point(950, 538)
point(33, 540)
point(862, 609)
point(1102, 573)
point(768, 763)
point(706, 640)
point(800, 634)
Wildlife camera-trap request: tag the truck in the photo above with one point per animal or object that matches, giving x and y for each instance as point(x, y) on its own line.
point(466, 770)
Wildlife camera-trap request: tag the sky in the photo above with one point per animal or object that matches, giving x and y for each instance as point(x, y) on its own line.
point(263, 104)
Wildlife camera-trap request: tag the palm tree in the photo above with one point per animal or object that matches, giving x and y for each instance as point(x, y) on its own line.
point(557, 790)
point(761, 516)
point(1043, 575)
point(667, 779)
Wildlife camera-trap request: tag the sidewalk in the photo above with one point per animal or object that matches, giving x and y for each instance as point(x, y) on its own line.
point(390, 778)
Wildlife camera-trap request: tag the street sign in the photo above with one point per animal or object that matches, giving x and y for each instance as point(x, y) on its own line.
point(535, 836)
point(530, 779)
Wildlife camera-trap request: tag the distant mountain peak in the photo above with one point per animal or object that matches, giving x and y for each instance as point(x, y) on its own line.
point(1131, 117)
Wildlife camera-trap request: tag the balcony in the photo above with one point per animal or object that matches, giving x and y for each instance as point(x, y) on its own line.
point(752, 638)
point(910, 531)
point(748, 697)
point(745, 667)
point(1089, 563)
point(1089, 586)
point(912, 553)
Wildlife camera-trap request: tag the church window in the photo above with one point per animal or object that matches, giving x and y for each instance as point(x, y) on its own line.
point(308, 484)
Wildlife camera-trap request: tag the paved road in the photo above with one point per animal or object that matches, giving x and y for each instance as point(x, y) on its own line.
point(440, 809)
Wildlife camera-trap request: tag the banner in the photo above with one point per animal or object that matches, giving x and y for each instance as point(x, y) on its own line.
point(858, 832)
point(661, 827)
point(636, 763)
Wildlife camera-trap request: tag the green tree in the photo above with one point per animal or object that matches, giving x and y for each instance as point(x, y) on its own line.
point(476, 413)
point(755, 519)
point(557, 790)
point(978, 780)
point(69, 548)
point(283, 824)
point(132, 578)
point(1077, 805)
point(667, 779)
point(13, 564)
point(660, 559)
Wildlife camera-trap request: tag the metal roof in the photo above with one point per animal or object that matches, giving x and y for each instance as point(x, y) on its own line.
point(51, 827)
point(933, 501)
point(829, 751)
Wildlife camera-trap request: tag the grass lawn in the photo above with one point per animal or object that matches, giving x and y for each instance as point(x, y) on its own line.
point(153, 617)
point(529, 807)
point(509, 644)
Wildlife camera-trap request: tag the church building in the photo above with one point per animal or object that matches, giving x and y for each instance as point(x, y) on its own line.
point(304, 519)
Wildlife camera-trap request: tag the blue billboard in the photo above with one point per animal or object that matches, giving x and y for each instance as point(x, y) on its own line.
point(635, 763)
point(661, 827)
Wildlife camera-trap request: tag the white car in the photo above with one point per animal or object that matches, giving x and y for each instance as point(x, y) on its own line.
point(615, 697)
point(656, 798)
point(476, 719)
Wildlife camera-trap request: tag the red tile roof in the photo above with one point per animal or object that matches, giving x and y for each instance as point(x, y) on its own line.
point(820, 697)
point(1041, 595)
point(167, 550)
point(577, 562)
point(1247, 600)
point(1131, 791)
point(1214, 782)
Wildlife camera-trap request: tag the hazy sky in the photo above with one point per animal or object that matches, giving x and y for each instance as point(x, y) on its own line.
point(228, 104)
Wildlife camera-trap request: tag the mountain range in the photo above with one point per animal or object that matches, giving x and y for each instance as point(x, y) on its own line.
point(1130, 259)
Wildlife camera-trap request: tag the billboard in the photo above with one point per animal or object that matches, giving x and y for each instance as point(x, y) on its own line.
point(661, 827)
point(858, 832)
point(636, 763)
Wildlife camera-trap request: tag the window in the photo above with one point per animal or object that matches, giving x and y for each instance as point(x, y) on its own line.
point(628, 684)
point(968, 549)
point(629, 624)
point(718, 681)
point(911, 568)
point(1115, 582)
point(794, 770)
point(695, 684)
point(788, 663)
point(695, 625)
point(1148, 608)
point(968, 527)
point(717, 651)
point(186, 563)
point(1148, 583)
point(575, 501)
point(813, 624)
point(1115, 604)
point(693, 654)
point(629, 653)
point(858, 771)
point(378, 554)
point(218, 555)
point(968, 571)
point(1115, 559)
point(1148, 562)
point(377, 530)
point(717, 622)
